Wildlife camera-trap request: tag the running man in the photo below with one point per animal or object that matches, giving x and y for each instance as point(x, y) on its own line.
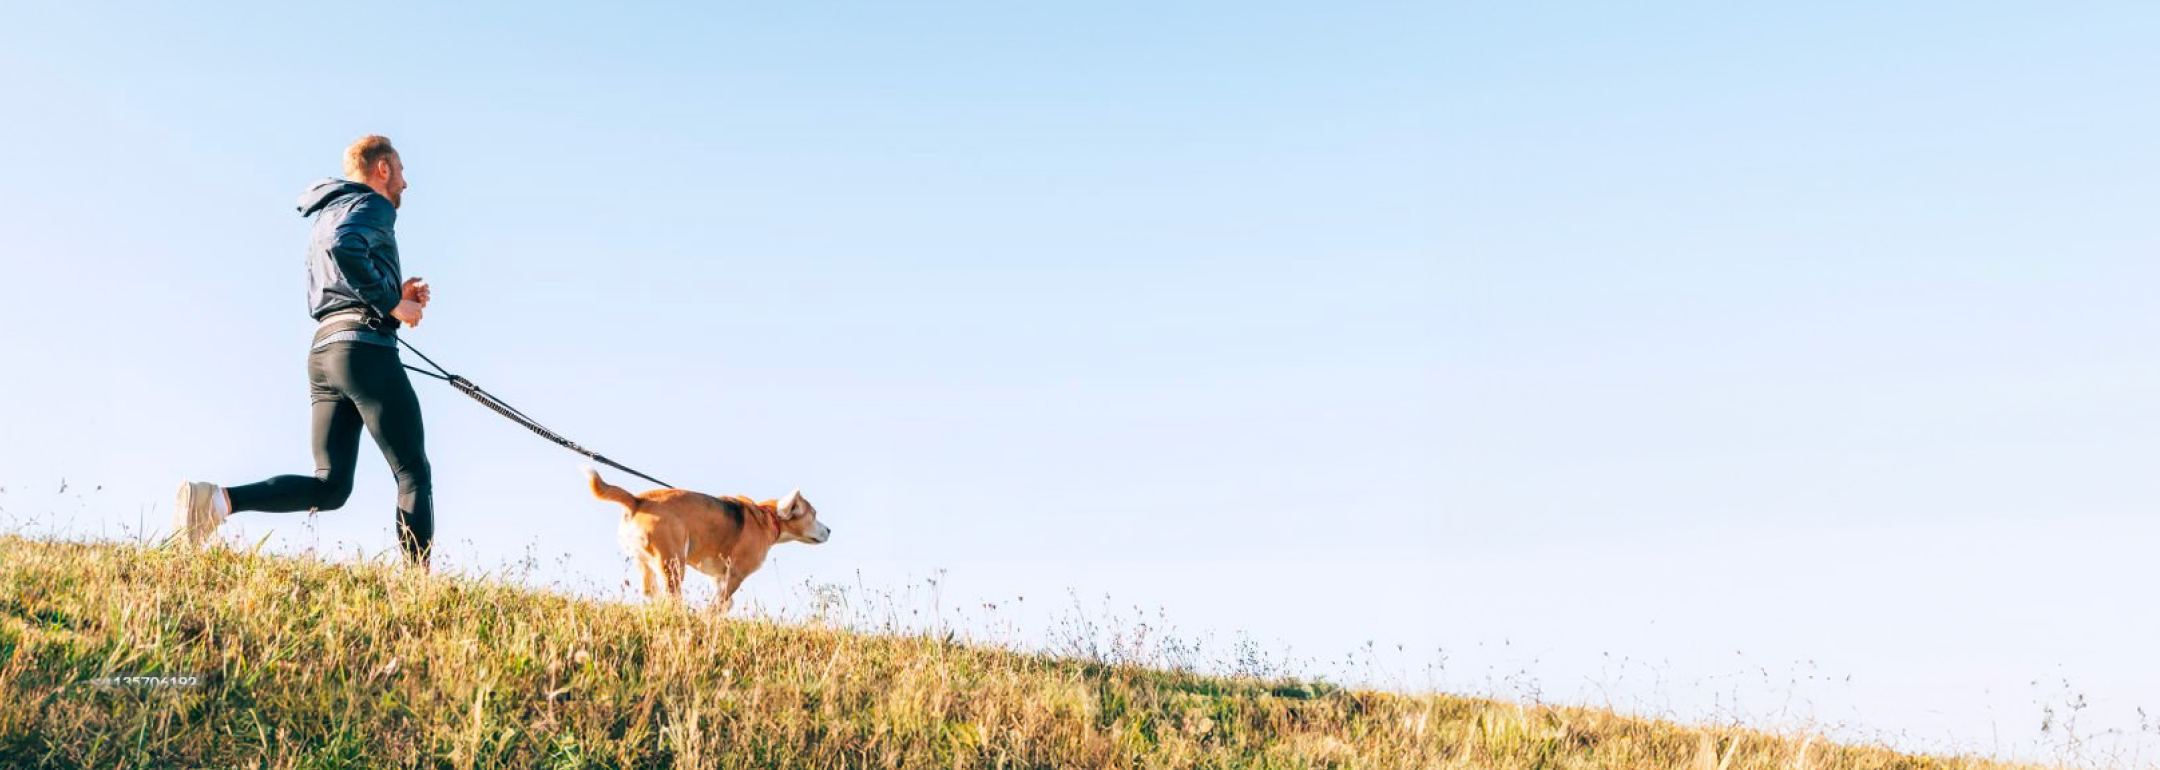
point(357, 293)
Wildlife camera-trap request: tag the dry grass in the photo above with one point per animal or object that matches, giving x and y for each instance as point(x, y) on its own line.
point(318, 665)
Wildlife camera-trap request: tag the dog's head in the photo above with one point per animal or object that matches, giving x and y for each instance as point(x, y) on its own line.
point(798, 520)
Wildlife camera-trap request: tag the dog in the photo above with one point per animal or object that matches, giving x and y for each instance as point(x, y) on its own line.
point(724, 537)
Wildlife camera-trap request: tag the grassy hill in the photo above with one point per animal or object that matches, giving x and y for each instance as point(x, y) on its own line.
point(309, 664)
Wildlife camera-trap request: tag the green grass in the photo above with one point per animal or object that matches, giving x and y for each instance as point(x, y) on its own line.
point(311, 664)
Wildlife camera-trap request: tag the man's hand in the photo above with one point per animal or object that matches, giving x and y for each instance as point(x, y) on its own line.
point(407, 312)
point(416, 290)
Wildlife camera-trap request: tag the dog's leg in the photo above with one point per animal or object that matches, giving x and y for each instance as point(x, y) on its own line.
point(725, 582)
point(645, 577)
point(727, 588)
point(672, 570)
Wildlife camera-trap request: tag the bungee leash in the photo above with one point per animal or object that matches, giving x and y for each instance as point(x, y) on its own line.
point(505, 409)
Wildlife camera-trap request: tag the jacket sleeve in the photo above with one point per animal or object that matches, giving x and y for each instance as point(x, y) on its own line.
point(357, 238)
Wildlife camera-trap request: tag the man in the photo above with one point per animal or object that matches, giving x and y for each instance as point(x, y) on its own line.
point(358, 296)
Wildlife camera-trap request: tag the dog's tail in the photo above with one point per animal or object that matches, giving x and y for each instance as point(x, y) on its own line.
point(610, 492)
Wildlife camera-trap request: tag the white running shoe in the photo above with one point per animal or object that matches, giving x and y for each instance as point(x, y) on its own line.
point(198, 509)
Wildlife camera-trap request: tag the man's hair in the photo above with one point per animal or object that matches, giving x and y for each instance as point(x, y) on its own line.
point(360, 158)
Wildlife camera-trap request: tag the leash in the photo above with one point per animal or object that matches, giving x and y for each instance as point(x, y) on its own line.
point(503, 408)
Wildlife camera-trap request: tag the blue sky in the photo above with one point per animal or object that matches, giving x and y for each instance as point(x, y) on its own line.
point(1605, 353)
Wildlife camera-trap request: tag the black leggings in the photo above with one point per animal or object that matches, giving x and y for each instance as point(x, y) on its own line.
point(356, 384)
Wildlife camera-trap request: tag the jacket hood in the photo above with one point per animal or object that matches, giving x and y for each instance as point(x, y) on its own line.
point(322, 192)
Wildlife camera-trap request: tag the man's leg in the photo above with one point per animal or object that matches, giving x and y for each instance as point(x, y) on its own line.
point(337, 446)
point(384, 396)
point(336, 435)
point(335, 430)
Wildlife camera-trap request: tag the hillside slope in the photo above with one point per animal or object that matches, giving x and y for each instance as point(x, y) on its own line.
point(308, 664)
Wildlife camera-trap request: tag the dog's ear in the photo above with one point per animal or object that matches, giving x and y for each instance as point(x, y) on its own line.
point(792, 505)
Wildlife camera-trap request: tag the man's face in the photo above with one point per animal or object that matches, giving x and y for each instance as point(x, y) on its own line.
point(390, 179)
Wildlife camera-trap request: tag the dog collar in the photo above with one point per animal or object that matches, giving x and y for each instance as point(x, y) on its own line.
point(771, 509)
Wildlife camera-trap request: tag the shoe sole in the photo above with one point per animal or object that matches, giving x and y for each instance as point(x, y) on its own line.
point(184, 513)
point(190, 514)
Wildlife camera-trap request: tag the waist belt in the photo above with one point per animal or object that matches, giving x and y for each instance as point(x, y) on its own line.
point(354, 326)
point(358, 318)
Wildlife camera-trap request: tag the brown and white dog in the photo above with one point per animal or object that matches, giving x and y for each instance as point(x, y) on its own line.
point(724, 537)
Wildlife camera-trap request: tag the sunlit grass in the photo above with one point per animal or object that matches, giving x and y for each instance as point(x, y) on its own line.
point(311, 664)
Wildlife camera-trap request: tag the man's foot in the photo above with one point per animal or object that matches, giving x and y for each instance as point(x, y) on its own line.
point(198, 509)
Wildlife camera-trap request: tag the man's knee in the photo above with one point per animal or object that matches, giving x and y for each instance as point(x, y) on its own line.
point(415, 477)
point(332, 491)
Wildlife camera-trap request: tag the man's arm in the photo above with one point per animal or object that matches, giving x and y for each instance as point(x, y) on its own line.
point(356, 237)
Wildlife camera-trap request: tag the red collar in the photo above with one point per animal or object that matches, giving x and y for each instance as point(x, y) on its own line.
point(771, 509)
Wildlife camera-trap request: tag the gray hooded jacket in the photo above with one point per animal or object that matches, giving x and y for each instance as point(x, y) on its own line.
point(352, 254)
